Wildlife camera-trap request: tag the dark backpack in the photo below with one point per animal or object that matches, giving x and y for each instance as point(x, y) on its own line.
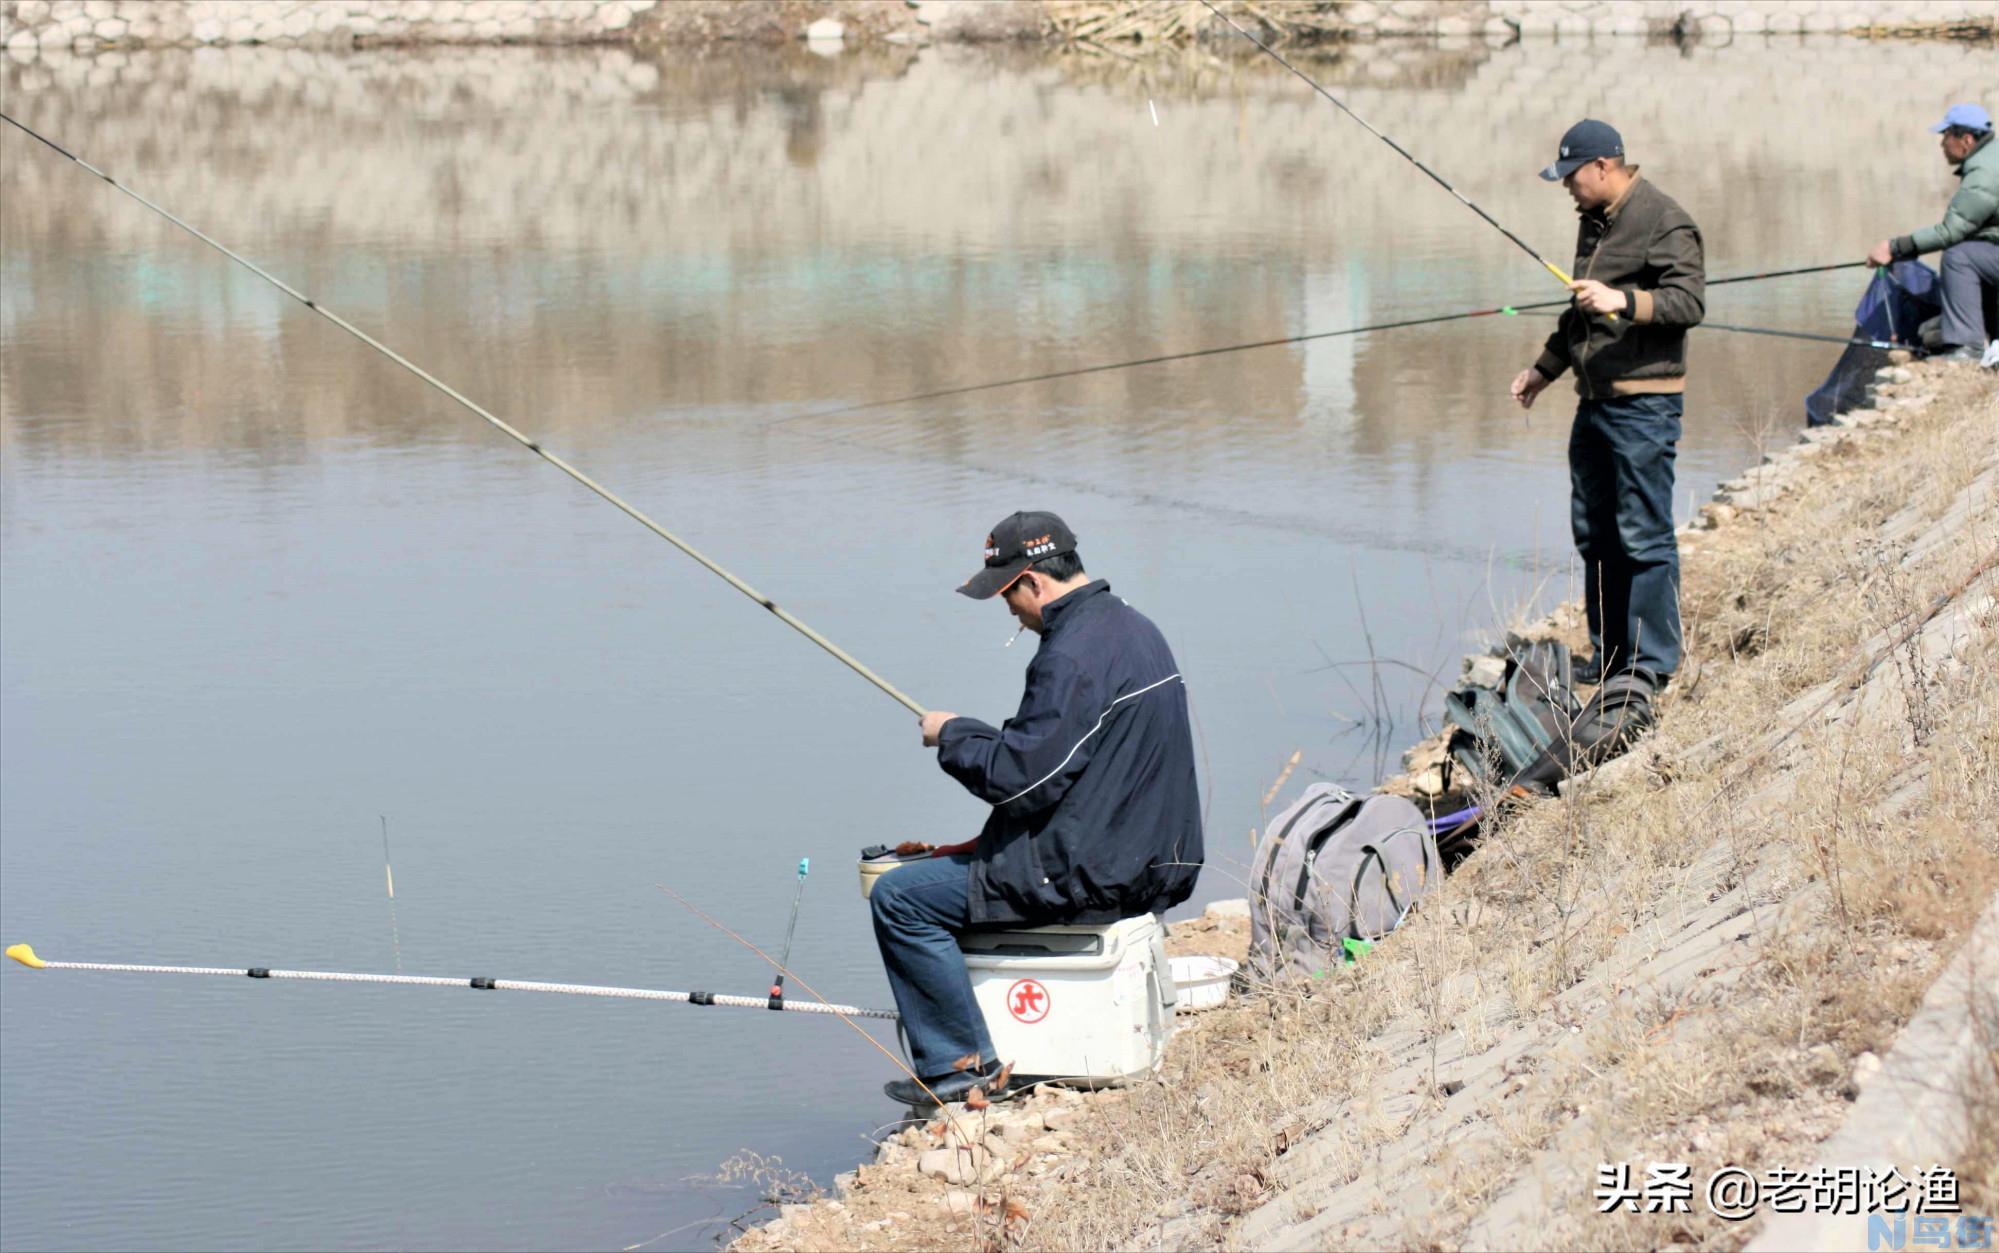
point(1618, 713)
point(1507, 730)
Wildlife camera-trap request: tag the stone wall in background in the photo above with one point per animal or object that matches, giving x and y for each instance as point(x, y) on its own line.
point(1705, 18)
point(84, 25)
point(29, 26)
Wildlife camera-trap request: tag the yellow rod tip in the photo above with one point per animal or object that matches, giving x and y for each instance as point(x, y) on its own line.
point(25, 954)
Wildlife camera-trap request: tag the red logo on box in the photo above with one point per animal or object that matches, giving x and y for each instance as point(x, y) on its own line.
point(1027, 1001)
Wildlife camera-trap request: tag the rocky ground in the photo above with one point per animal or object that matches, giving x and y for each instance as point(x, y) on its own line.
point(1699, 953)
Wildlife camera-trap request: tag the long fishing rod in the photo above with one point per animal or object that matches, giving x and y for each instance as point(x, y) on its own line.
point(25, 954)
point(1782, 334)
point(525, 441)
point(1163, 358)
point(1404, 153)
point(1307, 337)
point(1807, 335)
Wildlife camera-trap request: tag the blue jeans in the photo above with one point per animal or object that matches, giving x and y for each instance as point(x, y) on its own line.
point(919, 909)
point(1621, 452)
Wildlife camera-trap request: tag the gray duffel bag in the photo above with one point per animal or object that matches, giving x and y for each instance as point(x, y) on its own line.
point(1331, 868)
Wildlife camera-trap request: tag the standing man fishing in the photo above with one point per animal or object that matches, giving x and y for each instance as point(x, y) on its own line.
point(1968, 234)
point(1640, 283)
point(1096, 814)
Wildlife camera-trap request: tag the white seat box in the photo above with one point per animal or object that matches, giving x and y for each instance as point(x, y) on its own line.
point(1091, 1005)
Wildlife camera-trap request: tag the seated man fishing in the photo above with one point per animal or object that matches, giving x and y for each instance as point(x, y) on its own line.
point(1096, 814)
point(1968, 234)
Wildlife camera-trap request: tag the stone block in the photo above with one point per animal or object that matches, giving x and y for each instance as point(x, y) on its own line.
point(826, 30)
point(1483, 670)
point(614, 16)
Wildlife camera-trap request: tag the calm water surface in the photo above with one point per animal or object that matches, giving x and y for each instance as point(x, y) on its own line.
point(261, 589)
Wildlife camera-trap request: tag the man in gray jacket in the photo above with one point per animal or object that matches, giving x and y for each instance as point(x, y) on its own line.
point(1640, 282)
point(1968, 234)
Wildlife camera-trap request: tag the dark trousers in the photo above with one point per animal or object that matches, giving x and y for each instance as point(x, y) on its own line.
point(1621, 452)
point(1968, 268)
point(919, 909)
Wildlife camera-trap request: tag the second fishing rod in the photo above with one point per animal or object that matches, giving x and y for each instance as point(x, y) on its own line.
point(1404, 153)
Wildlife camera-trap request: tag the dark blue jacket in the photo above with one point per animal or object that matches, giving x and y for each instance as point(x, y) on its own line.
point(1096, 815)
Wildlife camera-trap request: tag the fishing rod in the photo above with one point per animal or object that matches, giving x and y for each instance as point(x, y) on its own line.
point(1781, 334)
point(1523, 245)
point(525, 441)
point(1809, 335)
point(1189, 355)
point(1307, 337)
point(25, 954)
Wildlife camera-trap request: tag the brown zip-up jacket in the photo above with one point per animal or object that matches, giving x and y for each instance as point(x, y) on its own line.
point(1647, 247)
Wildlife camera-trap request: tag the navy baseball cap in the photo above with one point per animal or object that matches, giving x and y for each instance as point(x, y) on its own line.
point(1020, 540)
point(1583, 143)
point(1967, 117)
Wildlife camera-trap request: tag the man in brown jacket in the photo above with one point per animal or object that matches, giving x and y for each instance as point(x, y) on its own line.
point(1640, 283)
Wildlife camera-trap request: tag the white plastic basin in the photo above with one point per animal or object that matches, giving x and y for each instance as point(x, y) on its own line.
point(1200, 982)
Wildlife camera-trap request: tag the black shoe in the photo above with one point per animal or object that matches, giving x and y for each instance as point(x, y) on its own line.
point(947, 1088)
point(1587, 671)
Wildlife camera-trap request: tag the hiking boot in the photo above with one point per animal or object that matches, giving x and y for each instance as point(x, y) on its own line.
point(947, 1088)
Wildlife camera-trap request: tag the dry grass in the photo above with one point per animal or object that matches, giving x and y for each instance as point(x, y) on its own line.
point(1680, 959)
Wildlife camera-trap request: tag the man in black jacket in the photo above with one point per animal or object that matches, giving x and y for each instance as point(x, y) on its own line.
point(1096, 816)
point(1640, 282)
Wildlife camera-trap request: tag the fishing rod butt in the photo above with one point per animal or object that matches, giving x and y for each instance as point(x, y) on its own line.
point(25, 954)
point(1567, 281)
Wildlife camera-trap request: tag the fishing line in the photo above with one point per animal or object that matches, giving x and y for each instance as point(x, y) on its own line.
point(25, 954)
point(777, 985)
point(1405, 154)
point(389, 875)
point(523, 440)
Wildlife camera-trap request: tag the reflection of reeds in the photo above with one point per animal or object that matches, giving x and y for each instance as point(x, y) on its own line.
point(1096, 23)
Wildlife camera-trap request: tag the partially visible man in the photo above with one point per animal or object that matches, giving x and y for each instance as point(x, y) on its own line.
point(1096, 814)
point(1639, 284)
point(1968, 234)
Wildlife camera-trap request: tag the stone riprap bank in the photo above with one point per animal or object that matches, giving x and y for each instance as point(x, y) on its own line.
point(30, 26)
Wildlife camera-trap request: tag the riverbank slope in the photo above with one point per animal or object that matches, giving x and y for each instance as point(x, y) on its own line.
point(1698, 955)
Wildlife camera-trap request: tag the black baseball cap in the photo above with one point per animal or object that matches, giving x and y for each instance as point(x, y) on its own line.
point(1583, 143)
point(1020, 540)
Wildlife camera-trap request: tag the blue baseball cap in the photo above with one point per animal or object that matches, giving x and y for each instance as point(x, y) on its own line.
point(1583, 143)
point(1968, 117)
